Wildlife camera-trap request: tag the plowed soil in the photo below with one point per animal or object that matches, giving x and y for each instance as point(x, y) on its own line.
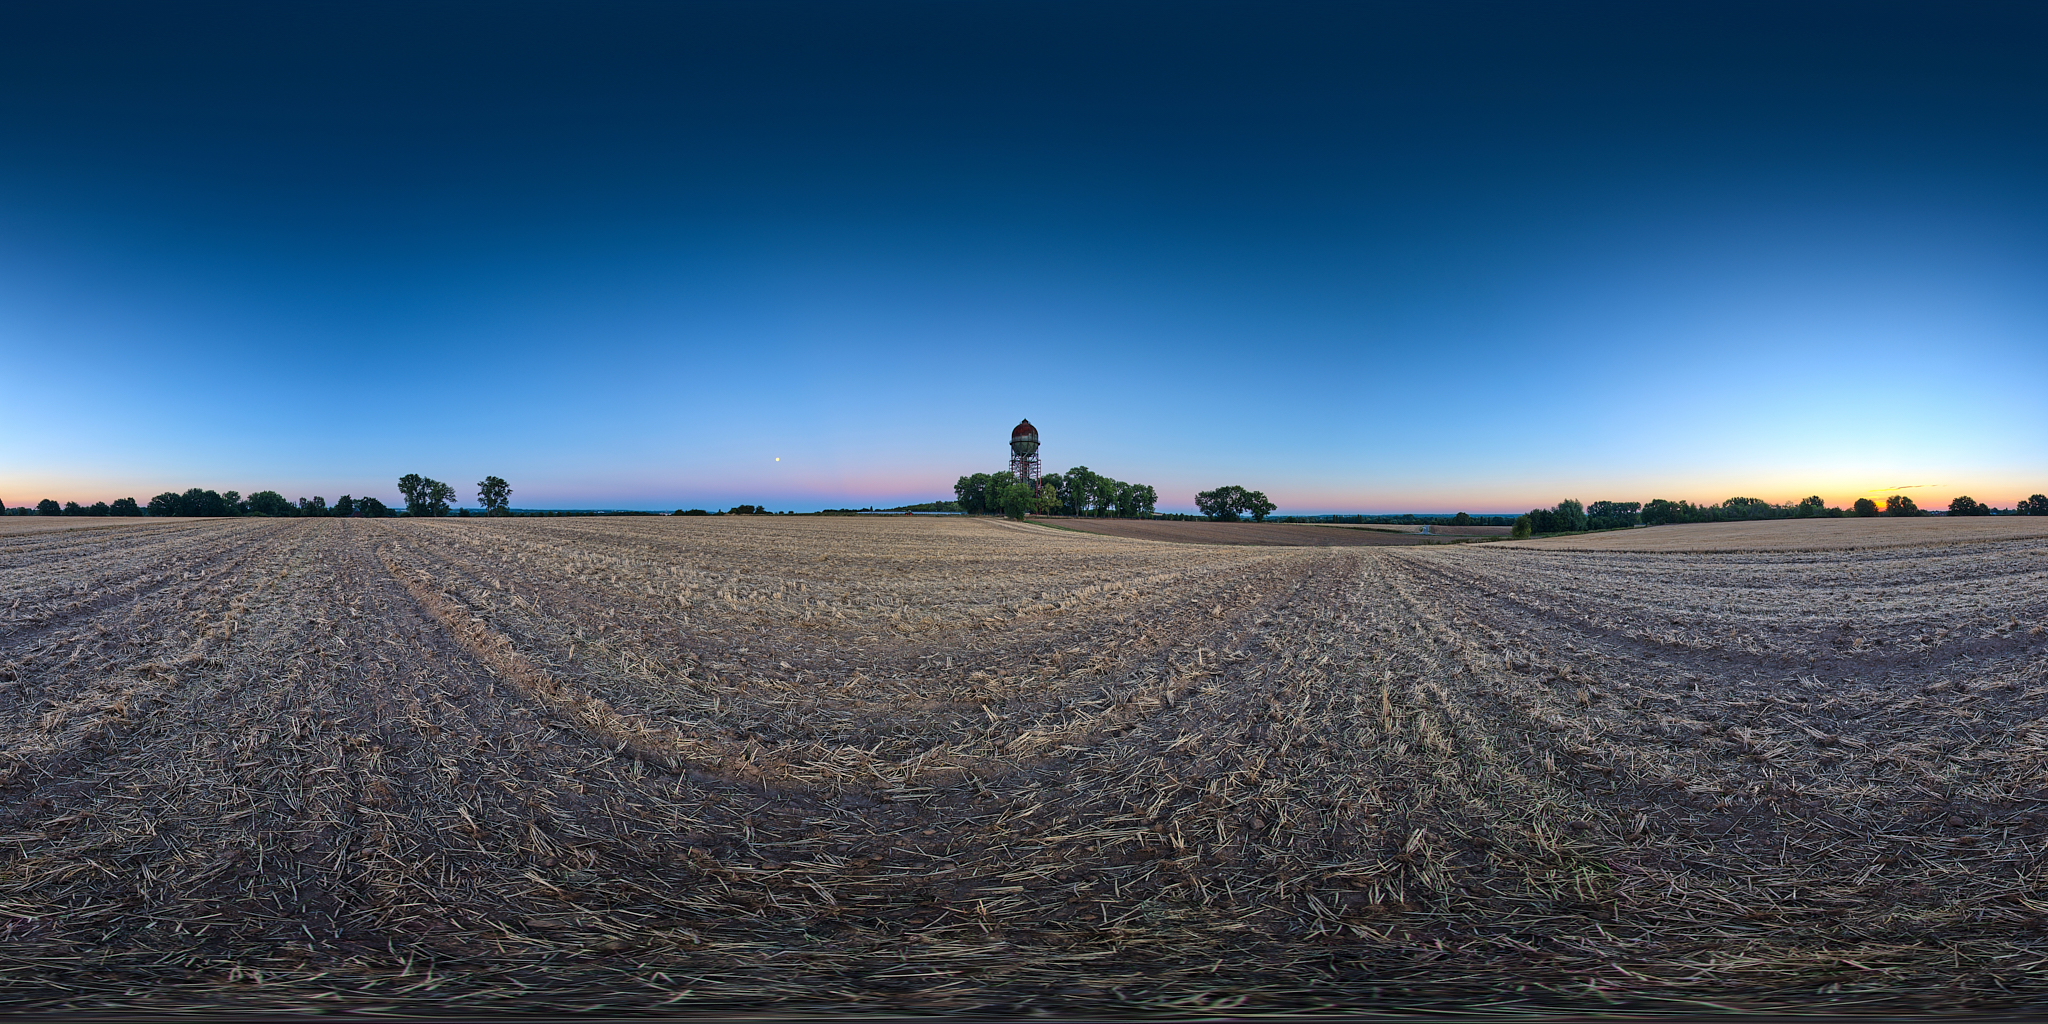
point(922, 765)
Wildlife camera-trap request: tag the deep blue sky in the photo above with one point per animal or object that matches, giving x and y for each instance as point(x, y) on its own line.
point(1428, 256)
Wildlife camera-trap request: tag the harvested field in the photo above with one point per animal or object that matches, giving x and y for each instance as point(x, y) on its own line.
point(942, 765)
point(11, 525)
point(1803, 534)
point(1268, 534)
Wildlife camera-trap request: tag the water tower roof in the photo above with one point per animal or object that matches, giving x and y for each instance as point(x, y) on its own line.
point(1024, 428)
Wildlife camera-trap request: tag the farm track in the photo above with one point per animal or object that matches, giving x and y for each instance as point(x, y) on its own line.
point(957, 765)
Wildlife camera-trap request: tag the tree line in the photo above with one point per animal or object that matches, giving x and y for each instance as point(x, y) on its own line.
point(1570, 516)
point(423, 496)
point(1079, 491)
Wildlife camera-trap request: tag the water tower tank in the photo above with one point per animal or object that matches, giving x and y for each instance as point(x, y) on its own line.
point(1024, 439)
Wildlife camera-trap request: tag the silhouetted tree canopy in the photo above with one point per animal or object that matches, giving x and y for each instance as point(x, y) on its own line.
point(425, 496)
point(495, 495)
point(1613, 515)
point(1232, 502)
point(1569, 516)
point(270, 503)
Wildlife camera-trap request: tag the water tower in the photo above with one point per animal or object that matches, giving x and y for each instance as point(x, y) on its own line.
point(1024, 453)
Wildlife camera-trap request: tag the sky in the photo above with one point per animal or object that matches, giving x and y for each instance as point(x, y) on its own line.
point(1361, 256)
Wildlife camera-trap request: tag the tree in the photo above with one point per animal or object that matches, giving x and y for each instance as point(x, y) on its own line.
point(495, 495)
point(1053, 488)
point(1571, 515)
point(1461, 519)
point(315, 507)
point(1864, 507)
point(72, 508)
point(1967, 506)
point(2034, 506)
point(1660, 512)
point(270, 503)
point(1747, 508)
point(1811, 505)
point(1900, 505)
point(1082, 484)
point(124, 507)
point(1144, 501)
point(972, 493)
point(99, 508)
point(1257, 506)
point(425, 496)
point(371, 508)
point(233, 500)
point(345, 506)
point(165, 504)
point(200, 502)
point(1223, 504)
point(1011, 497)
point(1523, 527)
point(1611, 515)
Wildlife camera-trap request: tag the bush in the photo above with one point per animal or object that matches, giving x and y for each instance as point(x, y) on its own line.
point(1521, 529)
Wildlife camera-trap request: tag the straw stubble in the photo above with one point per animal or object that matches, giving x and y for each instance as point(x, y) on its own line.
point(953, 765)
